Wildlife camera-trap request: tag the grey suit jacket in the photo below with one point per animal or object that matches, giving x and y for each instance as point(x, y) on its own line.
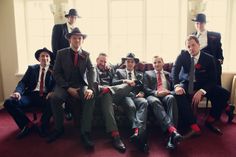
point(150, 82)
point(63, 69)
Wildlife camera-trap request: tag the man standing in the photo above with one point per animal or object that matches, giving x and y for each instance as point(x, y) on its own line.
point(135, 103)
point(34, 89)
point(210, 42)
point(195, 77)
point(75, 76)
point(157, 86)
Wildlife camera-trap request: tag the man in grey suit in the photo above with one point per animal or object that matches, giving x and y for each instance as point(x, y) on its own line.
point(75, 76)
point(157, 86)
point(135, 103)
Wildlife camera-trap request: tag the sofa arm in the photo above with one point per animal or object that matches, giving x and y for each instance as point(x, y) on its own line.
point(233, 92)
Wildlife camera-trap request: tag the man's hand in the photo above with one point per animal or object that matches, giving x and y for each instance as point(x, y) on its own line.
point(88, 94)
point(163, 93)
point(140, 95)
point(197, 97)
point(16, 95)
point(73, 92)
point(179, 90)
point(130, 82)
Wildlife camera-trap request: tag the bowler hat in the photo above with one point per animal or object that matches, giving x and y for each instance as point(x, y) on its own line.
point(200, 18)
point(75, 31)
point(38, 52)
point(72, 12)
point(131, 56)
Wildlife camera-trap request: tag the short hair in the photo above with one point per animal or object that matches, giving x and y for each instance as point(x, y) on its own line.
point(102, 54)
point(156, 57)
point(192, 37)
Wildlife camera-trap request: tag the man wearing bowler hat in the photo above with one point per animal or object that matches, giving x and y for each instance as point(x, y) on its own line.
point(210, 42)
point(34, 89)
point(59, 41)
point(75, 76)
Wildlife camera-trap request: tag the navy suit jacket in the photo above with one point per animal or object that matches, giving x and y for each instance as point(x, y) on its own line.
point(150, 82)
point(205, 71)
point(30, 79)
point(59, 40)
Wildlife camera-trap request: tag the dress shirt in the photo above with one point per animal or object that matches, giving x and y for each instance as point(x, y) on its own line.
point(132, 74)
point(202, 37)
point(163, 78)
point(38, 83)
point(69, 27)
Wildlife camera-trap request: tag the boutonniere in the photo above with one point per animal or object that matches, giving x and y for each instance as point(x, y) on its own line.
point(198, 66)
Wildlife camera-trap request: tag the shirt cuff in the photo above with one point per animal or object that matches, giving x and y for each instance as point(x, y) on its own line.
point(203, 91)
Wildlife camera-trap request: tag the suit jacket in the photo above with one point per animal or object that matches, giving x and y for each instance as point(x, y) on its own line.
point(110, 74)
point(205, 71)
point(121, 75)
point(64, 67)
point(30, 79)
point(59, 40)
point(150, 82)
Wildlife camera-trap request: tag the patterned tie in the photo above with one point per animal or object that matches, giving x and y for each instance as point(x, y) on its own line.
point(130, 76)
point(159, 81)
point(191, 77)
point(76, 58)
point(41, 82)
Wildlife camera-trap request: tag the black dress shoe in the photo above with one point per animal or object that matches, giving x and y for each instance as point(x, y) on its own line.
point(42, 131)
point(55, 135)
point(174, 139)
point(133, 138)
point(87, 141)
point(68, 116)
point(192, 133)
point(24, 132)
point(213, 128)
point(230, 113)
point(118, 144)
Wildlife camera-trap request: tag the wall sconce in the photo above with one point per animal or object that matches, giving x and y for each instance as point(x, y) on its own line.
point(196, 6)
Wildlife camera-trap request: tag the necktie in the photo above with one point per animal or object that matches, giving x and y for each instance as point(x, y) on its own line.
point(130, 76)
point(41, 82)
point(191, 77)
point(159, 81)
point(76, 59)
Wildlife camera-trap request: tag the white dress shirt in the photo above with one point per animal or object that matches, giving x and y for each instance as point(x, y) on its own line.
point(163, 78)
point(202, 37)
point(38, 84)
point(133, 77)
point(69, 27)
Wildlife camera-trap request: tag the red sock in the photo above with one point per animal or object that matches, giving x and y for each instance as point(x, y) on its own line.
point(105, 90)
point(172, 129)
point(30, 124)
point(210, 119)
point(136, 131)
point(115, 133)
point(195, 127)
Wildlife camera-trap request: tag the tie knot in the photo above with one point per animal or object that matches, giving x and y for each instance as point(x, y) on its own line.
point(43, 69)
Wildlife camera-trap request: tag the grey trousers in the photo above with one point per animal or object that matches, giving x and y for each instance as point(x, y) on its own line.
point(60, 96)
point(106, 104)
point(165, 110)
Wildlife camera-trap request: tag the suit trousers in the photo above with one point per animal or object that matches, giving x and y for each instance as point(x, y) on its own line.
point(16, 108)
point(165, 110)
point(60, 96)
point(136, 111)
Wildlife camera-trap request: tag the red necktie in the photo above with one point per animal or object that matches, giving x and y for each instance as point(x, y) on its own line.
point(41, 82)
point(159, 81)
point(76, 58)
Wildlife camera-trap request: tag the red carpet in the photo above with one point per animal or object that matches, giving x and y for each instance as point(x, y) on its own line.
point(208, 144)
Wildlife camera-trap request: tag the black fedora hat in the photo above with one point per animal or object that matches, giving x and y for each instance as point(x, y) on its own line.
point(131, 56)
point(75, 31)
point(200, 18)
point(38, 52)
point(72, 12)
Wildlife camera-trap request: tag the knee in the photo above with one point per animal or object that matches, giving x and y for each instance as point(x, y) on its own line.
point(132, 108)
point(9, 103)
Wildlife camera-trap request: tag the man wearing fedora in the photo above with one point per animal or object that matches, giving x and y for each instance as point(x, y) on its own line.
point(59, 41)
point(135, 103)
point(34, 89)
point(75, 77)
point(210, 42)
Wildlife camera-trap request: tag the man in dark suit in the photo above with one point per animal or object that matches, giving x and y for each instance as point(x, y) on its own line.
point(34, 89)
point(135, 103)
point(195, 77)
point(75, 76)
point(210, 42)
point(59, 41)
point(157, 86)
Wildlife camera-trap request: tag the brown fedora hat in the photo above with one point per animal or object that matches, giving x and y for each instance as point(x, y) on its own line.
point(200, 18)
point(39, 51)
point(131, 56)
point(75, 31)
point(72, 12)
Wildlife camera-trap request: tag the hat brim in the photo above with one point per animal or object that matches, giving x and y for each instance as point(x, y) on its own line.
point(67, 15)
point(135, 59)
point(38, 52)
point(77, 34)
point(195, 20)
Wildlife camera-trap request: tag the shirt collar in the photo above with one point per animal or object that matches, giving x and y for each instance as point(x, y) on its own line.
point(46, 67)
point(197, 56)
point(202, 33)
point(157, 71)
point(129, 71)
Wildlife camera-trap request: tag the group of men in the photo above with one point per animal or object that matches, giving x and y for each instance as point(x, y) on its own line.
point(74, 80)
